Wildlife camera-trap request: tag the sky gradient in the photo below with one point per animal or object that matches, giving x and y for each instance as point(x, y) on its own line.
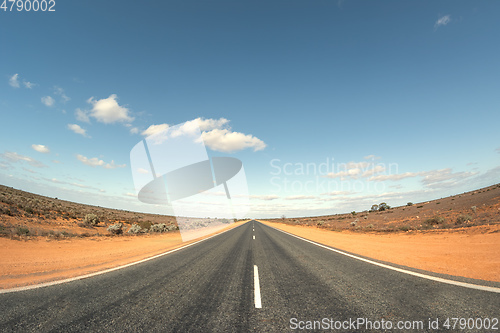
point(332, 106)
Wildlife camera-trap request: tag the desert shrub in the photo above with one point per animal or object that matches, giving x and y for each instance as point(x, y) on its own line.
point(4, 231)
point(353, 212)
point(91, 220)
point(159, 227)
point(29, 210)
point(320, 223)
point(404, 228)
point(22, 231)
point(420, 206)
point(409, 204)
point(116, 229)
point(135, 229)
point(145, 224)
point(474, 208)
point(435, 220)
point(172, 227)
point(463, 219)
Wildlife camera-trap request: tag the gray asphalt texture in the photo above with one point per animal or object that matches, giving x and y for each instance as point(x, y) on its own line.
point(209, 287)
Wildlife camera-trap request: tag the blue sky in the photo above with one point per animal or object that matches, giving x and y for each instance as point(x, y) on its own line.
point(400, 99)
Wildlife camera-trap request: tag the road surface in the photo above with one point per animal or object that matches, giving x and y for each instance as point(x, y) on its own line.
point(251, 278)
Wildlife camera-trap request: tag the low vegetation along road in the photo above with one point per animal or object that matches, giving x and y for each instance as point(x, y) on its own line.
point(251, 278)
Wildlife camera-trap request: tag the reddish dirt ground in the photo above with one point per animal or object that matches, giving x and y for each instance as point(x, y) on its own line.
point(468, 252)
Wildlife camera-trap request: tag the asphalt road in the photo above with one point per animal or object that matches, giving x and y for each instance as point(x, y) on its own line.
point(210, 287)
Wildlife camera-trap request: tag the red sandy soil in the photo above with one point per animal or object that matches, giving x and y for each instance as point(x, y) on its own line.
point(469, 252)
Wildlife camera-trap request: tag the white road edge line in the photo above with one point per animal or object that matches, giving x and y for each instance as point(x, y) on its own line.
point(53, 283)
point(424, 276)
point(258, 303)
point(253, 236)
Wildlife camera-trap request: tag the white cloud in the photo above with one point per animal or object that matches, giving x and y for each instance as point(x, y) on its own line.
point(143, 171)
point(226, 141)
point(338, 193)
point(442, 21)
point(94, 161)
point(77, 129)
point(134, 130)
point(28, 84)
point(372, 157)
point(60, 92)
point(394, 177)
point(264, 197)
point(439, 176)
point(376, 169)
point(41, 148)
point(210, 124)
point(82, 115)
point(48, 101)
point(300, 197)
point(353, 173)
point(56, 161)
point(107, 110)
point(112, 165)
point(14, 81)
point(155, 129)
point(214, 135)
point(355, 170)
point(128, 194)
point(15, 157)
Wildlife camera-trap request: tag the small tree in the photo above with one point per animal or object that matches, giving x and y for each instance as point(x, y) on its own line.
point(383, 206)
point(374, 208)
point(409, 204)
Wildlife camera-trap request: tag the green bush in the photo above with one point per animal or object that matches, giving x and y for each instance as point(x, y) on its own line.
point(409, 204)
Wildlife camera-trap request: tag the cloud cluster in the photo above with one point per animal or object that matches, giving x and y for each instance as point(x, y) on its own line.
point(60, 92)
point(14, 82)
point(355, 170)
point(216, 134)
point(15, 157)
point(431, 179)
point(94, 161)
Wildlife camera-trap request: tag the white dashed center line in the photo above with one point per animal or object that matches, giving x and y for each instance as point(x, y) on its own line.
point(258, 303)
point(253, 236)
